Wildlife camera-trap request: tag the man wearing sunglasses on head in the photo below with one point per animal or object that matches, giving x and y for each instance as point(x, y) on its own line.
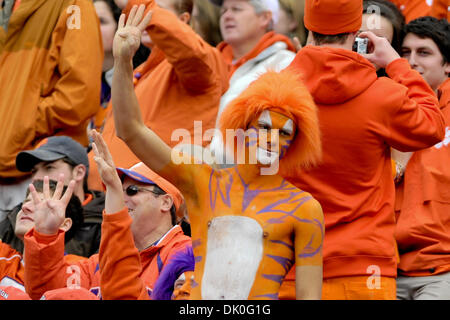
point(140, 234)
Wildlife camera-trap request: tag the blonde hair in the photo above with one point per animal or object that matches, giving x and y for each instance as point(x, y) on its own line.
point(296, 9)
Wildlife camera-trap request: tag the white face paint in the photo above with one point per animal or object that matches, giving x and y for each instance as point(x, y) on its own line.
point(289, 127)
point(265, 118)
point(263, 155)
point(266, 157)
point(234, 251)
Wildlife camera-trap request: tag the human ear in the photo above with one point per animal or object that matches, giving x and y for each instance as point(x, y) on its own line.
point(79, 172)
point(66, 225)
point(166, 202)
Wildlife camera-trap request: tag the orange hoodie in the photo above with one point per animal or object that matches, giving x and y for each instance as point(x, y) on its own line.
point(50, 72)
point(413, 9)
point(11, 266)
point(120, 270)
point(423, 223)
point(361, 116)
point(181, 82)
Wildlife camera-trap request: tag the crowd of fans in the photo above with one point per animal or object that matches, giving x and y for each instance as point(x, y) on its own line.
point(119, 179)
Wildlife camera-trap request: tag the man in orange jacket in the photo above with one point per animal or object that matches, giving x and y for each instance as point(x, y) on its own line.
point(181, 81)
point(50, 70)
point(12, 267)
point(423, 196)
point(360, 116)
point(137, 240)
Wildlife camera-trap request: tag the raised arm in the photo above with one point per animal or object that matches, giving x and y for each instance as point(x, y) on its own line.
point(416, 121)
point(127, 116)
point(120, 263)
point(45, 267)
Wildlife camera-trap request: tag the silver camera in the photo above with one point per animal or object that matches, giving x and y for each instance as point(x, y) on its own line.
point(361, 45)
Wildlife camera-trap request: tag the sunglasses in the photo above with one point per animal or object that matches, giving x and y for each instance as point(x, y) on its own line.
point(132, 190)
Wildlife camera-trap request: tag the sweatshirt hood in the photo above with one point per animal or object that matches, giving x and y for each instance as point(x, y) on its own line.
point(333, 75)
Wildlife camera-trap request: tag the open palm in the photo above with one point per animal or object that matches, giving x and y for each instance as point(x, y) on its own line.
point(50, 211)
point(104, 160)
point(128, 35)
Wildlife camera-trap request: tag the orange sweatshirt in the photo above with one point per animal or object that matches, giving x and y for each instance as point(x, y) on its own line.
point(50, 73)
point(441, 9)
point(361, 116)
point(423, 223)
point(11, 267)
point(181, 82)
point(413, 9)
point(120, 270)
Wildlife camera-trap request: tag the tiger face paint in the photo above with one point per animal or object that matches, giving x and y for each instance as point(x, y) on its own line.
point(271, 133)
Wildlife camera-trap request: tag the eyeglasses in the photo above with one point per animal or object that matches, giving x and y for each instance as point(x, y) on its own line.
point(132, 190)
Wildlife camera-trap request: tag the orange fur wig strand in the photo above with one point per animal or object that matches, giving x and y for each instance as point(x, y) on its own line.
point(281, 92)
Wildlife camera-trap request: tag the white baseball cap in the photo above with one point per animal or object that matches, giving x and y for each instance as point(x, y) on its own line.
point(270, 5)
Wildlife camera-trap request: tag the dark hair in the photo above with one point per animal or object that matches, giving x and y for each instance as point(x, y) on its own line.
point(74, 210)
point(115, 10)
point(320, 39)
point(436, 30)
point(389, 11)
point(157, 190)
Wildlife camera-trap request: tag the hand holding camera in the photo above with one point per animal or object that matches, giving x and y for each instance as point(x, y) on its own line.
point(379, 50)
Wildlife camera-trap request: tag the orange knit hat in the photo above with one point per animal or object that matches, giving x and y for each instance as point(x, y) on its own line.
point(331, 17)
point(284, 93)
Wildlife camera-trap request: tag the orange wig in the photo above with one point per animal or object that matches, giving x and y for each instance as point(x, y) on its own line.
point(281, 92)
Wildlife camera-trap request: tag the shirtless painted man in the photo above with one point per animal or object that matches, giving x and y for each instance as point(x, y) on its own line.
point(247, 228)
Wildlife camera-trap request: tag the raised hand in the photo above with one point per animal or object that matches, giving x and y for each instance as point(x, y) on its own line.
point(50, 211)
point(114, 195)
point(128, 35)
point(105, 163)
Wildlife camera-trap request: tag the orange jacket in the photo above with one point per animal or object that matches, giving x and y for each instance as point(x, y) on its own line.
point(11, 267)
point(423, 203)
point(361, 116)
point(119, 269)
point(49, 75)
point(441, 9)
point(413, 9)
point(181, 82)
